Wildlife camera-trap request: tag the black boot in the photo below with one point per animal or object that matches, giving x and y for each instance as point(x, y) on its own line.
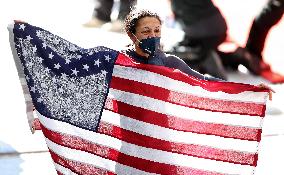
point(213, 66)
point(244, 57)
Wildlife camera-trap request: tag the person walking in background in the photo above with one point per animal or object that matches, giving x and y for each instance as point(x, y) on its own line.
point(204, 30)
point(102, 14)
point(251, 55)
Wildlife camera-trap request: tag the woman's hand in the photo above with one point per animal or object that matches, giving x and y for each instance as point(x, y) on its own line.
point(19, 21)
point(264, 86)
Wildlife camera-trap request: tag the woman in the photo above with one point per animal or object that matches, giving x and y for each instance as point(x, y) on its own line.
point(144, 28)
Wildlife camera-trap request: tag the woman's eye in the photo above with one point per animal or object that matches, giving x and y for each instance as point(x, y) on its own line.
point(157, 31)
point(146, 31)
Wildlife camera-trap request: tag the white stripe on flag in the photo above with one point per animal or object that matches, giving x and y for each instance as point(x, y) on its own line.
point(155, 79)
point(185, 112)
point(132, 150)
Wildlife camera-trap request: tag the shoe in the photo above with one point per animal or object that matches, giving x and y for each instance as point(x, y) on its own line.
point(94, 22)
point(249, 60)
point(192, 54)
point(264, 66)
point(213, 66)
point(115, 26)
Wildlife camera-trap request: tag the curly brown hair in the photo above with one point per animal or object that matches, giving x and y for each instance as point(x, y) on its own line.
point(135, 15)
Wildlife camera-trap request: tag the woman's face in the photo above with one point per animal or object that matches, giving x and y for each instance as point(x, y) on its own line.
point(148, 27)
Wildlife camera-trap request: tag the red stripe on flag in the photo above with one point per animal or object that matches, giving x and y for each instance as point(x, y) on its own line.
point(181, 148)
point(186, 99)
point(112, 154)
point(78, 167)
point(180, 124)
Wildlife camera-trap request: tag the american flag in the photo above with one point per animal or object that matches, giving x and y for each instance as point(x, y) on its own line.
point(103, 113)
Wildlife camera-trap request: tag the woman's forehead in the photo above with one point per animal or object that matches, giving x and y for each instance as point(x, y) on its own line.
point(150, 22)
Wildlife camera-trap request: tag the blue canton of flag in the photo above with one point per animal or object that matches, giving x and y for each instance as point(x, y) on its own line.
point(65, 82)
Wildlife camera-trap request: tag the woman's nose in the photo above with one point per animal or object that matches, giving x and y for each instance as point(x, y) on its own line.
point(152, 34)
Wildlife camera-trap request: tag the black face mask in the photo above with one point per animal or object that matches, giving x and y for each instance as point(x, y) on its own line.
point(149, 45)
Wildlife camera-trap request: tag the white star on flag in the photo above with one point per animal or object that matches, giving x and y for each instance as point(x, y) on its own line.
point(67, 61)
point(44, 45)
point(27, 78)
point(75, 72)
point(34, 49)
point(97, 62)
point(33, 89)
point(54, 80)
point(22, 26)
point(29, 38)
point(104, 72)
point(47, 70)
point(57, 66)
point(50, 55)
point(40, 59)
point(107, 57)
point(39, 100)
point(63, 75)
point(38, 33)
point(30, 64)
point(86, 67)
point(61, 89)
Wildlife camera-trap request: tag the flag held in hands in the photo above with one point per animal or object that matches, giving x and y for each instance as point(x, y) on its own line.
point(103, 113)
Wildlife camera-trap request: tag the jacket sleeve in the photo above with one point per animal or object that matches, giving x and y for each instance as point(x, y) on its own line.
point(177, 63)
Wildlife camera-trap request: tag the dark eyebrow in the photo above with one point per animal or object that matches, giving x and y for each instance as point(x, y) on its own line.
point(146, 28)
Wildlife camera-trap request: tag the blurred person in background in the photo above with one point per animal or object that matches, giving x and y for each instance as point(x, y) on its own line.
point(102, 14)
point(205, 29)
point(251, 55)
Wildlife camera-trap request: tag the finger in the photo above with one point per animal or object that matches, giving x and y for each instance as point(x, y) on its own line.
point(19, 21)
point(263, 86)
point(272, 90)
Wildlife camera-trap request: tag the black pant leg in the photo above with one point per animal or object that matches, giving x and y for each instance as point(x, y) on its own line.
point(268, 17)
point(124, 8)
point(103, 10)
